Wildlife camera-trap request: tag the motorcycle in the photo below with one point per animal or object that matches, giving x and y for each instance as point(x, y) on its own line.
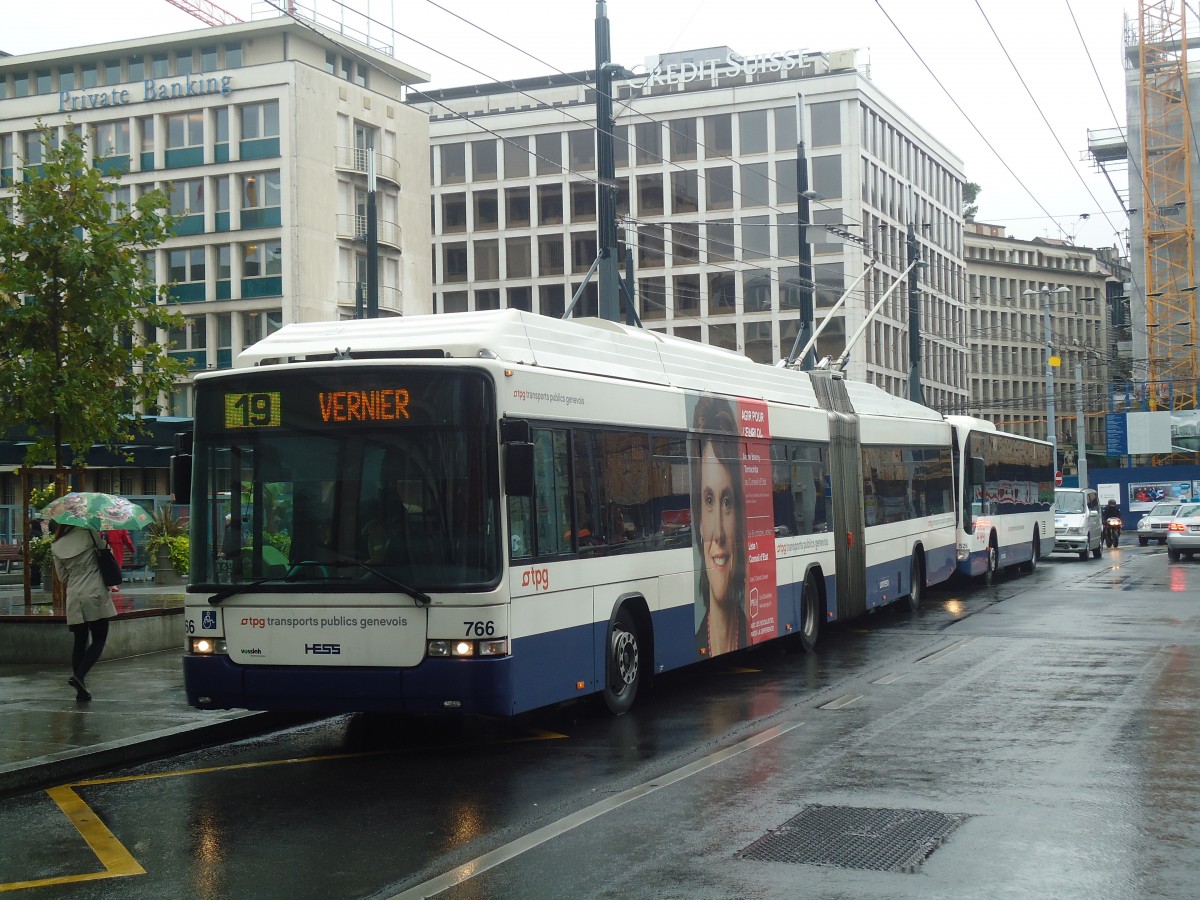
point(1112, 531)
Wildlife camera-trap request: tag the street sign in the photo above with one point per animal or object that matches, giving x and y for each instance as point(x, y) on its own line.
point(1058, 479)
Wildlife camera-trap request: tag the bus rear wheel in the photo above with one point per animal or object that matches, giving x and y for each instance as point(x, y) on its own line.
point(810, 613)
point(623, 673)
point(916, 582)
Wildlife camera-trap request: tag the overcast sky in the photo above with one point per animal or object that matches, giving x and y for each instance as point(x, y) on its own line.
point(1036, 175)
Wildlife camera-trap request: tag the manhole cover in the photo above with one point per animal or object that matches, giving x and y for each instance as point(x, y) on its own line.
point(886, 840)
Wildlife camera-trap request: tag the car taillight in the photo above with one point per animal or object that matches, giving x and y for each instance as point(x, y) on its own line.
point(1176, 526)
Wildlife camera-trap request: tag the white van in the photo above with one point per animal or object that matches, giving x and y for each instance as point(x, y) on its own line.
point(1077, 526)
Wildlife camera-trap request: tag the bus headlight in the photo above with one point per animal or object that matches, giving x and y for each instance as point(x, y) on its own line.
point(463, 649)
point(203, 646)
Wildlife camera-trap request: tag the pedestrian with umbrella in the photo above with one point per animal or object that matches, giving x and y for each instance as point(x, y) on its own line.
point(78, 518)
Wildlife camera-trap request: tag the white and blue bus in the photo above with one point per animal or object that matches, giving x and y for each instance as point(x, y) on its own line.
point(492, 512)
point(1005, 490)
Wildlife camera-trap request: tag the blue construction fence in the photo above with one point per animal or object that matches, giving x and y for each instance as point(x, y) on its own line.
point(1138, 489)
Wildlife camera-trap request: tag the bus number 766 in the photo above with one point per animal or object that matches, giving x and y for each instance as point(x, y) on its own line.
point(480, 629)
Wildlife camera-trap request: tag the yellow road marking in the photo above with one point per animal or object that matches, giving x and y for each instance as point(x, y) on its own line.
point(738, 670)
point(118, 862)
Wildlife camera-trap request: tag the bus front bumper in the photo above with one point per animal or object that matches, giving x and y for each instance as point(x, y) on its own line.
point(435, 687)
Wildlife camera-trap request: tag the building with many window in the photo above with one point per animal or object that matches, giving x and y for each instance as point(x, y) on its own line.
point(706, 171)
point(261, 132)
point(1033, 300)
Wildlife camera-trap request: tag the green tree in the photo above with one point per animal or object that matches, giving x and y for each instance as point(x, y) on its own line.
point(970, 208)
point(79, 363)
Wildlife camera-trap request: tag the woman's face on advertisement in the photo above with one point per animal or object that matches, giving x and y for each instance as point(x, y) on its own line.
point(716, 521)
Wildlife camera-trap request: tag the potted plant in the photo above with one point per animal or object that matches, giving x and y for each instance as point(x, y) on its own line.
point(167, 543)
point(41, 561)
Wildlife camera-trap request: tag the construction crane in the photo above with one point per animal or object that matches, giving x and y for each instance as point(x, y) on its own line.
point(206, 11)
point(1171, 344)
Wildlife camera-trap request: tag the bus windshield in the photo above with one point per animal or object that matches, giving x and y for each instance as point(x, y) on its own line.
point(354, 478)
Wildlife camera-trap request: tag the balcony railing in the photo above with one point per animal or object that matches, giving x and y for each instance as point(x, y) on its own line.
point(354, 159)
point(354, 227)
point(390, 298)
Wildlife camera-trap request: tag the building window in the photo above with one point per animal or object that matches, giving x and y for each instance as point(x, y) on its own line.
point(785, 128)
point(650, 195)
point(581, 150)
point(652, 297)
point(137, 67)
point(160, 65)
point(483, 160)
point(549, 153)
point(262, 259)
point(260, 200)
point(43, 81)
point(208, 59)
point(550, 255)
point(89, 75)
point(454, 262)
point(517, 257)
point(185, 272)
point(187, 204)
point(685, 243)
point(685, 192)
point(826, 124)
point(718, 136)
point(720, 241)
point(756, 237)
point(21, 84)
point(756, 292)
point(650, 246)
point(520, 298)
point(110, 139)
point(454, 213)
point(647, 138)
point(827, 175)
point(718, 185)
point(583, 251)
point(583, 202)
point(516, 157)
point(756, 184)
point(552, 300)
point(233, 56)
point(112, 72)
point(260, 120)
point(487, 260)
point(723, 336)
point(487, 213)
point(752, 131)
point(785, 182)
point(516, 201)
point(757, 341)
point(686, 295)
point(454, 301)
point(66, 80)
point(454, 163)
point(683, 139)
point(550, 205)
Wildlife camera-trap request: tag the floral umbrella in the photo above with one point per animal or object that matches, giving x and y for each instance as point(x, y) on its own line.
point(99, 512)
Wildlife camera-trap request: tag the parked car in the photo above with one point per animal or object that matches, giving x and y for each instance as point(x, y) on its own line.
point(1183, 534)
point(1077, 527)
point(1153, 525)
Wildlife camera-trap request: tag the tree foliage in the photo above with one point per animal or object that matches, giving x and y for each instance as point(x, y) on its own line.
point(970, 195)
point(79, 362)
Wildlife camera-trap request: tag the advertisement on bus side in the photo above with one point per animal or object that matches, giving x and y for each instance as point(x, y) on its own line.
point(733, 523)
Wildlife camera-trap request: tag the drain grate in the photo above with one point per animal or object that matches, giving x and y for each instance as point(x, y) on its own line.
point(885, 840)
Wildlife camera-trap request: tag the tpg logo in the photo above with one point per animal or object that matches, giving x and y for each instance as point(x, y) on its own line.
point(323, 649)
point(254, 623)
point(539, 579)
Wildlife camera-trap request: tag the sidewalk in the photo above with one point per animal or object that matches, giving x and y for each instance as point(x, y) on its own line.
point(138, 711)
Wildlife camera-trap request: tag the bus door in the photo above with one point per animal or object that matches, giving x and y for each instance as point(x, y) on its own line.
point(845, 467)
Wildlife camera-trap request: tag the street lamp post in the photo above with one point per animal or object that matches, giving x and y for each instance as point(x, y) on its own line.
point(1045, 294)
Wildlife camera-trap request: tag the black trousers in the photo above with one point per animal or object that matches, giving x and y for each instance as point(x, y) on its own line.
point(84, 656)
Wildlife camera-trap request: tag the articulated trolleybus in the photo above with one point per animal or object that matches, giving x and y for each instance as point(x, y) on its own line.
point(492, 512)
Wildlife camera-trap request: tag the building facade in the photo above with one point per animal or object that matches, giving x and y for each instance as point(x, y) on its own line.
point(706, 171)
point(261, 133)
point(1033, 299)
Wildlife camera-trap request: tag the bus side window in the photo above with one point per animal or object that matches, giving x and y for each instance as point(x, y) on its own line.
point(551, 501)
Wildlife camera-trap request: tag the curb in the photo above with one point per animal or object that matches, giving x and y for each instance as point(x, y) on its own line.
point(72, 765)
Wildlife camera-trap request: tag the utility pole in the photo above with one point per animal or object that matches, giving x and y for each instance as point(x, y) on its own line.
point(914, 306)
point(372, 240)
point(609, 306)
point(803, 216)
point(1080, 426)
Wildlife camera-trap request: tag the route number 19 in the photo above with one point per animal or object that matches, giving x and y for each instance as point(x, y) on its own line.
point(257, 410)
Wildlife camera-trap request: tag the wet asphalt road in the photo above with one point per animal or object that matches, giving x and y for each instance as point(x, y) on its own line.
point(1051, 720)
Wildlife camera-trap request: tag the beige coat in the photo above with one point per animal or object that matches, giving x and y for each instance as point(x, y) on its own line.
point(88, 598)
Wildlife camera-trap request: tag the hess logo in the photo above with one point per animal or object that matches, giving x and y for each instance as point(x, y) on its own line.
point(538, 579)
point(323, 649)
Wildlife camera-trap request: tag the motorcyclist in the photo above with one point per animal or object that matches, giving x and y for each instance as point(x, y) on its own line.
point(1111, 534)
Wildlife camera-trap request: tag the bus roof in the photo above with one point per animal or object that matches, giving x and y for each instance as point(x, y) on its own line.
point(588, 346)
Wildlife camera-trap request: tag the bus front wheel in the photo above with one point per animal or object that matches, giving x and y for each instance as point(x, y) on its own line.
point(623, 671)
point(992, 572)
point(916, 582)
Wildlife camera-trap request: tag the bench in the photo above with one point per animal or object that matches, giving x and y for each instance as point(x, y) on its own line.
point(10, 554)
